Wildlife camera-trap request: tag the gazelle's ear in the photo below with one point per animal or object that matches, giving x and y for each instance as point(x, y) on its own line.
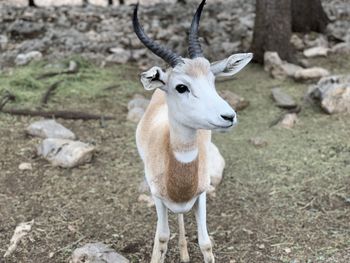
point(153, 78)
point(231, 65)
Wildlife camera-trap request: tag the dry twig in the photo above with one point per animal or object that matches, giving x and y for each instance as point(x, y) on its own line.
point(69, 115)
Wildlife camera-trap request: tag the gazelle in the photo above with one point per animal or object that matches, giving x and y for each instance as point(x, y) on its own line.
point(174, 135)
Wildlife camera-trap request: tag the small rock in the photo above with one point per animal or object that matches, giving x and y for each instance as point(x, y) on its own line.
point(282, 99)
point(314, 73)
point(119, 56)
point(273, 65)
point(258, 142)
point(135, 114)
point(65, 153)
point(50, 129)
point(138, 101)
point(316, 52)
point(290, 68)
point(20, 232)
point(261, 246)
point(289, 120)
point(3, 41)
point(315, 40)
point(333, 94)
point(278, 68)
point(287, 250)
point(341, 48)
point(25, 166)
point(147, 199)
point(237, 102)
point(96, 253)
point(297, 42)
point(24, 59)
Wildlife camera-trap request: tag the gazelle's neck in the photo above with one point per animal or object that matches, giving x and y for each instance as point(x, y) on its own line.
point(183, 141)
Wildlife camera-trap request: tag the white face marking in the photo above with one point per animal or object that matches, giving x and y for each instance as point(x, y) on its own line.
point(186, 156)
point(200, 107)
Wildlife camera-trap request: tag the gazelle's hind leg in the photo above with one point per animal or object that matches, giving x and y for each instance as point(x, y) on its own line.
point(216, 165)
point(184, 257)
point(162, 234)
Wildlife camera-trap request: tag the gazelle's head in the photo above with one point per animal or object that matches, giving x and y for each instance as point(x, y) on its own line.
point(190, 83)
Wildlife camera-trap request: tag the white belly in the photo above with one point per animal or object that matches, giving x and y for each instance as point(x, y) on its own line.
point(180, 208)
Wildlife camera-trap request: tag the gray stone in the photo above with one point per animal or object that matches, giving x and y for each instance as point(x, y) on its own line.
point(312, 40)
point(25, 29)
point(316, 52)
point(333, 94)
point(237, 102)
point(282, 99)
point(3, 41)
point(119, 56)
point(24, 59)
point(138, 101)
point(135, 114)
point(278, 68)
point(288, 121)
point(96, 253)
point(297, 42)
point(341, 48)
point(25, 166)
point(49, 129)
point(258, 142)
point(314, 73)
point(65, 153)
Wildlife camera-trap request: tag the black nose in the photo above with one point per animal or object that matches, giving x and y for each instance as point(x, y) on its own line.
point(228, 117)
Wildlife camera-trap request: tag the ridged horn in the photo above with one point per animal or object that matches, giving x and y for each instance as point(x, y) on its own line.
point(194, 48)
point(166, 54)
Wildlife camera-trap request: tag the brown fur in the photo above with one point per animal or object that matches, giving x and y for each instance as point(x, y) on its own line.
point(172, 179)
point(197, 68)
point(181, 178)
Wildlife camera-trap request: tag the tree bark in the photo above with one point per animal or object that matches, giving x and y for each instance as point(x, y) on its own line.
point(308, 15)
point(32, 3)
point(272, 30)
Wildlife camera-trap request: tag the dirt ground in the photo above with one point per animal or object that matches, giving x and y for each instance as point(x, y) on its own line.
point(286, 202)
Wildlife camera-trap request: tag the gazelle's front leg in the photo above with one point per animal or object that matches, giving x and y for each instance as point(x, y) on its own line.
point(203, 237)
point(162, 234)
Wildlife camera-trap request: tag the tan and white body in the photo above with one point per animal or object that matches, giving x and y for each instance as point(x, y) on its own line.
point(174, 136)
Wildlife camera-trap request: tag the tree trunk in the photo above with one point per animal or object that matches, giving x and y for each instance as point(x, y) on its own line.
point(121, 2)
point(308, 15)
point(272, 30)
point(110, 2)
point(32, 3)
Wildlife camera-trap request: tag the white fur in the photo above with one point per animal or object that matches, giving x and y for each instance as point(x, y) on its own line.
point(184, 114)
point(186, 156)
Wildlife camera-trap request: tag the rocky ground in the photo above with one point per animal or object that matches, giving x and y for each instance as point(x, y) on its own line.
point(285, 193)
point(284, 196)
point(106, 35)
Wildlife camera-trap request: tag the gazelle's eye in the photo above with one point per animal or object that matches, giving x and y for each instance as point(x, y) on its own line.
point(182, 88)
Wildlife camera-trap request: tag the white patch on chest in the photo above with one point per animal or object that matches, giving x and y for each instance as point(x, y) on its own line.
point(186, 156)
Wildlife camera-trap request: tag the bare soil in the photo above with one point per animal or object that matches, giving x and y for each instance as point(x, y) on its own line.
point(286, 202)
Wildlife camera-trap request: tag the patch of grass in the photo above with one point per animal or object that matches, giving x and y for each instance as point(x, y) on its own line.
point(90, 82)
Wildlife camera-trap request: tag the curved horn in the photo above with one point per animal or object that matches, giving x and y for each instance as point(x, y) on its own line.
point(194, 48)
point(169, 56)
